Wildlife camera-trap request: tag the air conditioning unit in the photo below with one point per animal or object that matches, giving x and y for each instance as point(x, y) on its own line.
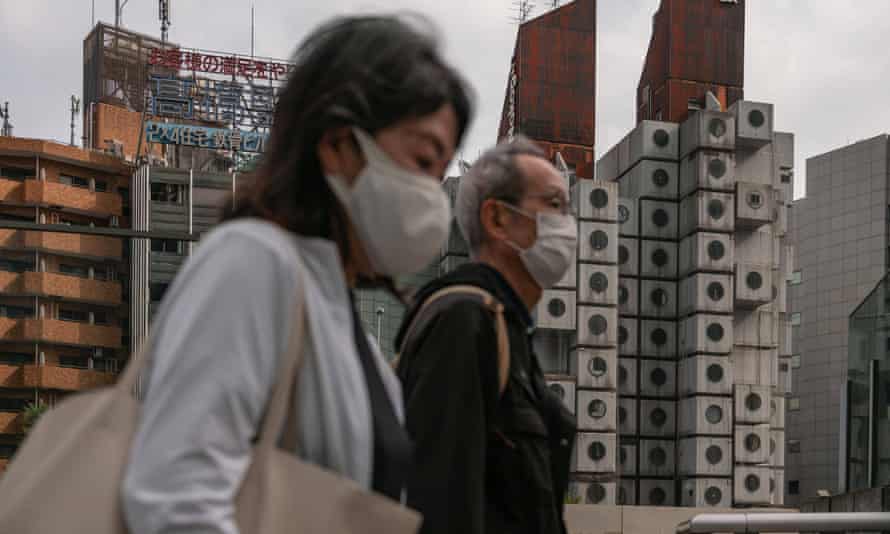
point(597, 411)
point(627, 336)
point(706, 129)
point(596, 200)
point(627, 416)
point(777, 448)
point(627, 460)
point(595, 368)
point(756, 367)
point(627, 376)
point(706, 334)
point(752, 404)
point(450, 263)
point(657, 458)
point(711, 375)
point(556, 310)
point(657, 418)
point(607, 166)
point(593, 492)
point(658, 219)
point(598, 284)
point(712, 171)
point(756, 329)
point(598, 242)
point(707, 493)
point(455, 244)
point(564, 388)
point(651, 140)
point(784, 376)
point(658, 259)
point(705, 456)
point(705, 416)
point(754, 205)
point(707, 211)
point(652, 180)
point(628, 296)
point(707, 252)
point(628, 256)
point(753, 285)
point(751, 485)
point(594, 453)
point(627, 492)
point(658, 339)
point(658, 378)
point(777, 487)
point(570, 279)
point(754, 123)
point(597, 326)
point(756, 166)
point(628, 217)
point(706, 293)
point(656, 492)
point(658, 299)
point(751, 444)
point(777, 412)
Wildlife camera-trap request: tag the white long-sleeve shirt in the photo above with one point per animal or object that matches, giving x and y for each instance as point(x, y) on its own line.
point(218, 338)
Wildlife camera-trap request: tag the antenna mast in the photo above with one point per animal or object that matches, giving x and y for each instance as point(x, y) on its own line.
point(6, 129)
point(118, 12)
point(251, 30)
point(523, 8)
point(75, 109)
point(164, 16)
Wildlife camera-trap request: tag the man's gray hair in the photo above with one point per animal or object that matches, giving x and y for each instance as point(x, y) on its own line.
point(494, 175)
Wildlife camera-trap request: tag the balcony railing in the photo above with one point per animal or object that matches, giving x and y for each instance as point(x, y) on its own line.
point(61, 285)
point(64, 378)
point(10, 423)
point(75, 198)
point(74, 244)
point(71, 333)
point(11, 191)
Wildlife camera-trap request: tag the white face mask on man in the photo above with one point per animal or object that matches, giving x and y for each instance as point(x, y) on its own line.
point(550, 256)
point(402, 217)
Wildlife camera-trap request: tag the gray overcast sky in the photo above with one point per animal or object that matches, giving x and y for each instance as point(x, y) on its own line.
point(823, 63)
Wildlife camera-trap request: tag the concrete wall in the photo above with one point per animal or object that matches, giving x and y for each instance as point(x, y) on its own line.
point(589, 519)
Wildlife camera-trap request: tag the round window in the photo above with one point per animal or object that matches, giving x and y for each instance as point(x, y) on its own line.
point(596, 409)
point(756, 118)
point(597, 325)
point(716, 250)
point(595, 493)
point(660, 178)
point(598, 282)
point(717, 168)
point(752, 483)
point(623, 255)
point(622, 295)
point(716, 209)
point(556, 307)
point(622, 416)
point(715, 291)
point(714, 373)
point(660, 218)
point(622, 375)
point(715, 332)
point(599, 240)
point(714, 414)
point(657, 497)
point(659, 337)
point(754, 280)
point(622, 335)
point(660, 257)
point(659, 297)
point(661, 138)
point(599, 198)
point(713, 495)
point(714, 454)
point(623, 214)
point(658, 417)
point(717, 127)
point(752, 443)
point(658, 457)
point(596, 451)
point(755, 200)
point(559, 390)
point(597, 366)
point(658, 376)
point(753, 402)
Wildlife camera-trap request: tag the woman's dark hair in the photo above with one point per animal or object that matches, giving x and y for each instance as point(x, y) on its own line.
point(366, 71)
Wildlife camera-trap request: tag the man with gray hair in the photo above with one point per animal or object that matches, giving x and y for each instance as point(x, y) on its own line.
point(492, 442)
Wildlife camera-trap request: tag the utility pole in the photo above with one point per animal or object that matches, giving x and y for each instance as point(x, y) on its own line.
point(75, 109)
point(6, 129)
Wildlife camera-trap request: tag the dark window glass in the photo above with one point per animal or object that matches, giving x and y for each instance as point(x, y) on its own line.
point(101, 187)
point(157, 290)
point(74, 270)
point(599, 198)
point(756, 118)
point(596, 451)
point(12, 405)
point(658, 337)
point(16, 266)
point(714, 373)
point(623, 255)
point(660, 257)
point(15, 358)
point(715, 332)
point(74, 181)
point(658, 417)
point(100, 317)
point(794, 487)
point(660, 218)
point(596, 409)
point(556, 307)
point(658, 457)
point(716, 250)
point(169, 193)
point(76, 316)
point(713, 495)
point(752, 483)
point(658, 376)
point(597, 325)
point(559, 390)
point(74, 362)
point(714, 454)
point(599, 282)
point(661, 138)
point(597, 366)
point(753, 402)
point(599, 240)
point(595, 493)
point(16, 312)
point(168, 246)
point(657, 496)
point(717, 168)
point(714, 414)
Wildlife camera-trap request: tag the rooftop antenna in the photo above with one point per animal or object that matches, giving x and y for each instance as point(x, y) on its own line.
point(555, 3)
point(6, 129)
point(75, 109)
point(164, 16)
point(93, 14)
point(118, 12)
point(523, 9)
point(251, 30)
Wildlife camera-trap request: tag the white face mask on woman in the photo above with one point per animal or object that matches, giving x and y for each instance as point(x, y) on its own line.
point(550, 256)
point(402, 217)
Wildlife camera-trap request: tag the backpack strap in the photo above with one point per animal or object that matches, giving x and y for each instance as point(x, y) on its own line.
point(443, 298)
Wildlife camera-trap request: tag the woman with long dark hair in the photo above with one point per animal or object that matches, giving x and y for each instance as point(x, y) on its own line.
point(348, 190)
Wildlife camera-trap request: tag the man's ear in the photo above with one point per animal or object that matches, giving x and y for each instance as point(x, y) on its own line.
point(494, 221)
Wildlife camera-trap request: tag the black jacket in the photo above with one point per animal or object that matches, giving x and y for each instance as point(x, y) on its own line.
point(485, 463)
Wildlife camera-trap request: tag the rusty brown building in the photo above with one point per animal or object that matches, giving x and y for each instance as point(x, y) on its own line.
point(696, 46)
point(62, 300)
point(551, 89)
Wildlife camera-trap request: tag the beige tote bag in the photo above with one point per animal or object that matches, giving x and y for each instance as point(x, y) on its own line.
point(67, 475)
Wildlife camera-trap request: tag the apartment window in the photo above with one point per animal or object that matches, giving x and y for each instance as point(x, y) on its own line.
point(125, 200)
point(795, 361)
point(169, 193)
point(74, 362)
point(168, 246)
point(100, 317)
point(13, 405)
point(101, 187)
point(793, 487)
point(74, 181)
point(16, 266)
point(75, 316)
point(795, 278)
point(11, 217)
point(157, 290)
point(100, 274)
point(19, 175)
point(794, 445)
point(794, 404)
point(15, 358)
point(16, 312)
point(795, 319)
point(74, 270)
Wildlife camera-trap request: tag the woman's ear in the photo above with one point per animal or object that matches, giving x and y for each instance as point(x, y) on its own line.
point(339, 155)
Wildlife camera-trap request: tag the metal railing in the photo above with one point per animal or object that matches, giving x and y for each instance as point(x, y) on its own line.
point(786, 522)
